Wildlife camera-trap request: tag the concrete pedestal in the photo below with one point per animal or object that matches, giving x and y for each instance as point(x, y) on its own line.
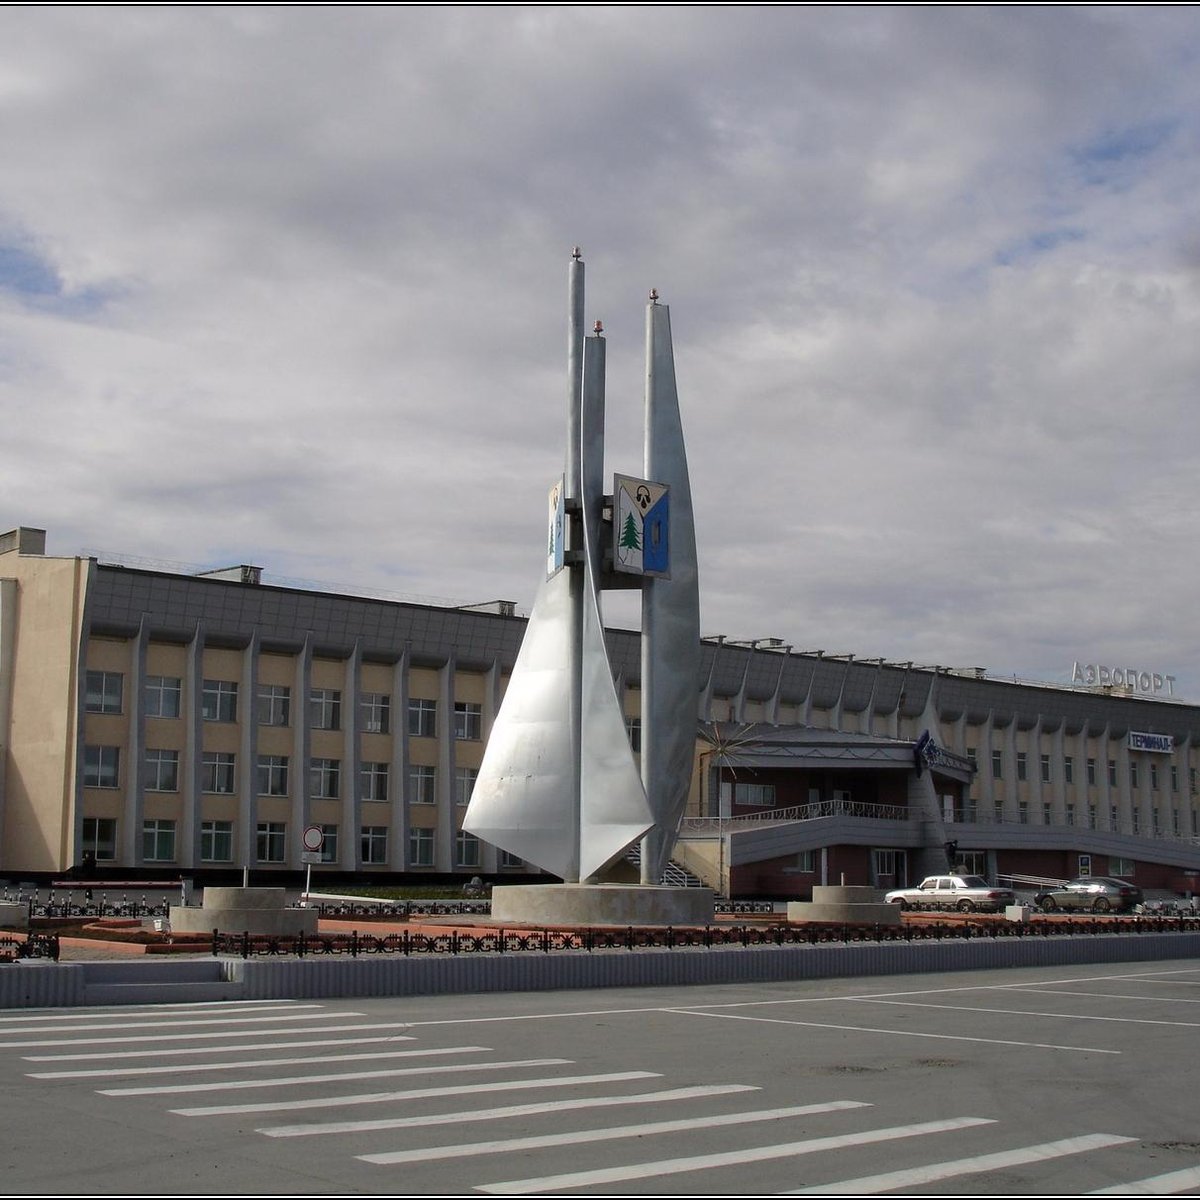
point(243, 910)
point(560, 905)
point(14, 916)
point(845, 904)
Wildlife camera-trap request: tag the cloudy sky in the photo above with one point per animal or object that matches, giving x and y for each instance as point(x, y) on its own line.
point(287, 286)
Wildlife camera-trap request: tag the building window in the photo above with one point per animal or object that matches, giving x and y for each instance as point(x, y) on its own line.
point(806, 862)
point(1023, 813)
point(1192, 780)
point(324, 778)
point(1021, 764)
point(164, 696)
point(325, 708)
point(1070, 814)
point(973, 862)
point(1068, 769)
point(216, 841)
point(468, 721)
point(1175, 821)
point(103, 694)
point(272, 776)
point(633, 731)
point(466, 849)
point(1046, 815)
point(422, 785)
point(373, 781)
point(218, 774)
point(271, 841)
point(1113, 819)
point(752, 795)
point(1091, 816)
point(422, 718)
point(884, 863)
point(1112, 772)
point(1154, 777)
point(376, 712)
point(329, 843)
point(1174, 778)
point(971, 754)
point(100, 838)
point(1045, 768)
point(102, 766)
point(508, 859)
point(1133, 773)
point(1120, 866)
point(420, 847)
point(1091, 771)
point(374, 844)
point(998, 810)
point(158, 841)
point(997, 764)
point(464, 783)
point(218, 700)
point(162, 771)
point(274, 704)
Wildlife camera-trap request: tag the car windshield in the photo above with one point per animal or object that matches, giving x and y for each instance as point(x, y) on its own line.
point(974, 881)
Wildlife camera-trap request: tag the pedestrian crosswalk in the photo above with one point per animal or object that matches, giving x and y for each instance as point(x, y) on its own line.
point(497, 1123)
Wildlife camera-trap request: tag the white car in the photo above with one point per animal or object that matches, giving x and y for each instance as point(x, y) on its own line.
point(966, 893)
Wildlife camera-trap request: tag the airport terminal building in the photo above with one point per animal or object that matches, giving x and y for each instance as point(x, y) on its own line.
point(168, 725)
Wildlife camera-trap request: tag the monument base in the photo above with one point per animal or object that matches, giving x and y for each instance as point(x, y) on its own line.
point(567, 904)
point(243, 910)
point(848, 904)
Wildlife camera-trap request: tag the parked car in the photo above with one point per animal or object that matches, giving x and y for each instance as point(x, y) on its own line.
point(1095, 892)
point(963, 892)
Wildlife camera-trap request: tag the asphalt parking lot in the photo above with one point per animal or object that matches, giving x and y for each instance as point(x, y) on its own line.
point(1025, 1081)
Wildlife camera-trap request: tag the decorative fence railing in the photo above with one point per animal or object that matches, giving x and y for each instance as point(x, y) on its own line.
point(709, 937)
point(36, 945)
point(99, 906)
point(404, 909)
point(699, 826)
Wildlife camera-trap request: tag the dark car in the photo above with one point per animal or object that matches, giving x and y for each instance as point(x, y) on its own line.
point(1097, 893)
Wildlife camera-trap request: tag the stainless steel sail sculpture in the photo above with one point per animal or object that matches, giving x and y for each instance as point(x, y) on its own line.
point(559, 786)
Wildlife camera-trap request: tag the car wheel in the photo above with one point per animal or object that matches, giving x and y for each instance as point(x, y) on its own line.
point(966, 906)
point(900, 904)
point(1101, 904)
point(1049, 904)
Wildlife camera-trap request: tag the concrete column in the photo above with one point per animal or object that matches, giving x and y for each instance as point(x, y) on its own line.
point(298, 782)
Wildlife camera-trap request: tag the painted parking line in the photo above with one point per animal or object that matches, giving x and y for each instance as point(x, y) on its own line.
point(943, 1037)
point(1025, 1012)
point(733, 1158)
point(465, 1116)
point(467, 1089)
point(191, 1037)
point(609, 1133)
point(233, 1085)
point(1169, 1184)
point(1110, 995)
point(226, 1007)
point(920, 1176)
point(181, 1051)
point(179, 1022)
point(241, 1064)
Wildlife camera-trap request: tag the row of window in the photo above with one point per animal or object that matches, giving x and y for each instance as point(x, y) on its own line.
point(1089, 817)
point(216, 843)
point(1068, 764)
point(218, 775)
point(104, 693)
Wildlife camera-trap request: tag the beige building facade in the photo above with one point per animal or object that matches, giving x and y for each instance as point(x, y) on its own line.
point(165, 724)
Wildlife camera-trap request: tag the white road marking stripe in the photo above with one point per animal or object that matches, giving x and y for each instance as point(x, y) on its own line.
point(176, 1023)
point(1025, 1012)
point(468, 1089)
point(919, 1176)
point(1110, 995)
point(178, 1051)
point(732, 1158)
point(944, 1037)
point(226, 1007)
point(242, 1064)
point(234, 1085)
point(192, 1037)
point(511, 1110)
point(1156, 1185)
point(470, 1149)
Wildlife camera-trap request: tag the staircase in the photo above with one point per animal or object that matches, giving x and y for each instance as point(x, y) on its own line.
point(675, 875)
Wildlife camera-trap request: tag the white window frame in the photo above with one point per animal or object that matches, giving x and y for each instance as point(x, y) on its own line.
point(218, 774)
point(162, 770)
point(375, 709)
point(373, 841)
point(218, 700)
point(468, 721)
point(270, 842)
point(272, 775)
point(275, 704)
point(163, 698)
point(104, 692)
point(216, 841)
point(325, 708)
point(422, 717)
point(325, 778)
point(373, 782)
point(422, 784)
point(421, 844)
point(102, 767)
point(158, 840)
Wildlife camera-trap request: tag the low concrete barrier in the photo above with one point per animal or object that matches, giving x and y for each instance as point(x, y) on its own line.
point(38, 984)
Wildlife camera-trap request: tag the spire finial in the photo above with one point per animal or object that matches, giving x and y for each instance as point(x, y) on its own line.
point(598, 328)
point(654, 295)
point(577, 253)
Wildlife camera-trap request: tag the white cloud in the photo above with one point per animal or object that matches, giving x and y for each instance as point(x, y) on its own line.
point(933, 275)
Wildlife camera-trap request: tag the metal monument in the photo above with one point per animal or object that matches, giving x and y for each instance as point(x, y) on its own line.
point(559, 785)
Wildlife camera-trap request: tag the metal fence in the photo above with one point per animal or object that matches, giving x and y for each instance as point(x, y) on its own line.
point(358, 943)
point(35, 945)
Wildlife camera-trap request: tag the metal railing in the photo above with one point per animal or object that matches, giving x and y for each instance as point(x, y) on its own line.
point(546, 941)
point(33, 945)
point(800, 812)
